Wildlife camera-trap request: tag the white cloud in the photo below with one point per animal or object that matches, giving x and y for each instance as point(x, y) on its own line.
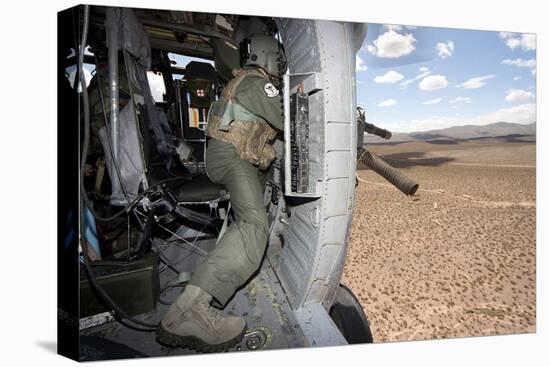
point(424, 73)
point(393, 27)
point(433, 82)
point(527, 41)
point(514, 95)
point(433, 101)
point(517, 78)
point(405, 84)
point(445, 50)
point(392, 45)
point(510, 39)
point(521, 114)
point(390, 77)
point(521, 63)
point(461, 99)
point(387, 103)
point(360, 64)
point(477, 82)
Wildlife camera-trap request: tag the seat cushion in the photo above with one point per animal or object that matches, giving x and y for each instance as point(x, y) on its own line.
point(200, 189)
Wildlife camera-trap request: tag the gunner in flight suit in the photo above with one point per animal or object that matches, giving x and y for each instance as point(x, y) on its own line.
point(241, 127)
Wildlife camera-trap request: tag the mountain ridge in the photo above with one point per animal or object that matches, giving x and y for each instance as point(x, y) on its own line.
point(463, 132)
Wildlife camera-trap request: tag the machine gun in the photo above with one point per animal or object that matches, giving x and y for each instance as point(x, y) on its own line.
point(375, 163)
point(364, 126)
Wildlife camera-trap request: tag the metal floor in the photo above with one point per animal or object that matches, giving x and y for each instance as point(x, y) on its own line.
point(272, 324)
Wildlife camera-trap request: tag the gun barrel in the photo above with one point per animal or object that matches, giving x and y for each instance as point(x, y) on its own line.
point(375, 130)
point(396, 178)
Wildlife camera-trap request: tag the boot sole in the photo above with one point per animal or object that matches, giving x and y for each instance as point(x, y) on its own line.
point(173, 340)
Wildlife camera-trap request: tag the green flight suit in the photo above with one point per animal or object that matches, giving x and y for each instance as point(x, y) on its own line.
point(240, 250)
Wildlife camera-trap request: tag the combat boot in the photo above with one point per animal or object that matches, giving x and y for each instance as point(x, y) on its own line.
point(193, 323)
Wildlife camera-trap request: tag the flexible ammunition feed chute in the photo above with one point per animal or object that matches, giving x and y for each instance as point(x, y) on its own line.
point(377, 164)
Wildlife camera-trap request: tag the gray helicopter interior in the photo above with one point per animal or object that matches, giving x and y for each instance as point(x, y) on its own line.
point(272, 321)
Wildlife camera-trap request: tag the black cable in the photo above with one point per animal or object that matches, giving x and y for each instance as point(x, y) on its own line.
point(109, 141)
point(143, 242)
point(86, 107)
point(110, 263)
point(117, 168)
point(168, 263)
point(132, 204)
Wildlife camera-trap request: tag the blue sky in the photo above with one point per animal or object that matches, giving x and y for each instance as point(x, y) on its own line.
point(423, 78)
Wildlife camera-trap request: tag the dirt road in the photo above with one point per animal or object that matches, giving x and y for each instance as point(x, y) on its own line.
point(458, 259)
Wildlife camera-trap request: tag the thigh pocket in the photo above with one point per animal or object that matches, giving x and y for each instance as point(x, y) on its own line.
point(254, 240)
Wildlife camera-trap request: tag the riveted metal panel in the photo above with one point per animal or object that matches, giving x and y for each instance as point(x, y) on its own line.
point(318, 327)
point(336, 197)
point(328, 254)
point(339, 133)
point(332, 230)
point(338, 164)
point(300, 40)
point(309, 269)
point(334, 54)
point(300, 251)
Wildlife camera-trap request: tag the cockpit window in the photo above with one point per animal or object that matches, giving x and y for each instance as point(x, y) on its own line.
point(156, 83)
point(181, 61)
point(70, 71)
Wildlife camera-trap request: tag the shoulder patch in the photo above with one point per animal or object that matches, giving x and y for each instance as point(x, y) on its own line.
point(270, 90)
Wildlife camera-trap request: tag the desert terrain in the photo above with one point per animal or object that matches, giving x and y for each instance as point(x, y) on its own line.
point(458, 258)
